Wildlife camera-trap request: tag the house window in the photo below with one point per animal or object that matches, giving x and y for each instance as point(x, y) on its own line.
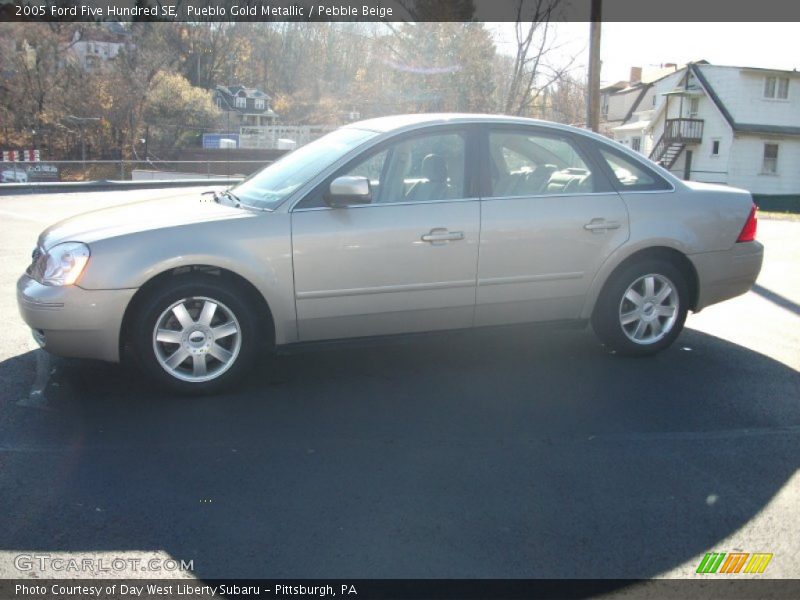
point(715, 148)
point(770, 159)
point(694, 106)
point(636, 144)
point(776, 87)
point(240, 102)
point(783, 88)
point(259, 103)
point(654, 100)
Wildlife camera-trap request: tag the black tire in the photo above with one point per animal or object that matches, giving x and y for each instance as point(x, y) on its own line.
point(606, 319)
point(197, 289)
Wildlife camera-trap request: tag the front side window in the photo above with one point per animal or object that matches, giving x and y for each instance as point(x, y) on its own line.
point(533, 164)
point(694, 107)
point(636, 144)
point(770, 164)
point(419, 169)
point(240, 102)
point(272, 185)
point(631, 176)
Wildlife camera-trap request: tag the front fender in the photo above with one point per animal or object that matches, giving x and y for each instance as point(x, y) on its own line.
point(256, 248)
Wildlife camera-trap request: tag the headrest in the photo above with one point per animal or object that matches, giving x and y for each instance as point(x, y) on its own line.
point(434, 168)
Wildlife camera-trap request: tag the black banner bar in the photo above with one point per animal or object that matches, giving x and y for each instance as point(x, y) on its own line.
point(711, 587)
point(396, 10)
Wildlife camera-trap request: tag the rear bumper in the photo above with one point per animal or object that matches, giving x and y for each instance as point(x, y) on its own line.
point(726, 274)
point(71, 321)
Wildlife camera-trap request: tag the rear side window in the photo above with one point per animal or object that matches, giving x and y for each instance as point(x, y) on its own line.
point(534, 164)
point(630, 175)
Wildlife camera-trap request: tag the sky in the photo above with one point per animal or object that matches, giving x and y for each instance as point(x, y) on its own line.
point(648, 45)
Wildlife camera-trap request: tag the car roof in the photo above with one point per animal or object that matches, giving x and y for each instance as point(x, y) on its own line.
point(395, 122)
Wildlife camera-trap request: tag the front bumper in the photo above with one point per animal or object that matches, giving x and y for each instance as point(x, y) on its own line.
point(71, 321)
point(726, 274)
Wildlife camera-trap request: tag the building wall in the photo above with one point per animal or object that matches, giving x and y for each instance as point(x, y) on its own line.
point(742, 91)
point(620, 103)
point(88, 50)
point(746, 160)
point(705, 166)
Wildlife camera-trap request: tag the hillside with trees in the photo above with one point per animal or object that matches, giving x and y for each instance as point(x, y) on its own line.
point(156, 79)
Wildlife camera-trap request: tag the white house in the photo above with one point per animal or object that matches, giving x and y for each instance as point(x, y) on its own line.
point(620, 101)
point(248, 110)
point(93, 45)
point(734, 125)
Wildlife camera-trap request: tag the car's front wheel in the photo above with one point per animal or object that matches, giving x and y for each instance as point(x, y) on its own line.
point(195, 336)
point(642, 308)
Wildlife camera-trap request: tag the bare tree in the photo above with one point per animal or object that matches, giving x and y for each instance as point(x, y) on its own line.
point(531, 71)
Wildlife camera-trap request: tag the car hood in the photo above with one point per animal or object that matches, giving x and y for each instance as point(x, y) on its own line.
point(139, 216)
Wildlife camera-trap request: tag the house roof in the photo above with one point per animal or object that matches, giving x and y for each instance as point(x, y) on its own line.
point(227, 95)
point(638, 101)
point(102, 32)
point(615, 87)
point(765, 70)
point(633, 126)
point(242, 91)
point(736, 126)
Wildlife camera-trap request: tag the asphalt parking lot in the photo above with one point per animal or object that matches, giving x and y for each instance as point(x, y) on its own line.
point(525, 453)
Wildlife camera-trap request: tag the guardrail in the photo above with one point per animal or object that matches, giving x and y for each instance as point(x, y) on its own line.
point(123, 170)
point(45, 187)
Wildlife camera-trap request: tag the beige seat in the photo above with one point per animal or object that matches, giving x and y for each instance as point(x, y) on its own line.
point(434, 186)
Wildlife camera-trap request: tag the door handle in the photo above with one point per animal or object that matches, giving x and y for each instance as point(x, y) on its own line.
point(601, 225)
point(440, 234)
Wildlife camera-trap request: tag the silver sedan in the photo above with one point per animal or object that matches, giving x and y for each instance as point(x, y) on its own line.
point(393, 226)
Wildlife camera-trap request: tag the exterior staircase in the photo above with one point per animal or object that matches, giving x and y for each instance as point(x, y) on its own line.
point(677, 134)
point(666, 153)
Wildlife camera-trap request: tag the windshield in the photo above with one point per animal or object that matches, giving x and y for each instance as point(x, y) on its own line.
point(272, 185)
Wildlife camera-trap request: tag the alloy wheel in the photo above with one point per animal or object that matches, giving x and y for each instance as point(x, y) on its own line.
point(649, 309)
point(197, 339)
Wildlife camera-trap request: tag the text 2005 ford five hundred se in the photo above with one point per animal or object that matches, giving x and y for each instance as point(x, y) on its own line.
point(392, 226)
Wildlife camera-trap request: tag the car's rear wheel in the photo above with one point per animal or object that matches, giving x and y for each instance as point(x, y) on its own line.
point(196, 336)
point(642, 308)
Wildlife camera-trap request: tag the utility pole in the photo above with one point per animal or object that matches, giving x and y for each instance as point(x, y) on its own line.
point(593, 91)
point(81, 121)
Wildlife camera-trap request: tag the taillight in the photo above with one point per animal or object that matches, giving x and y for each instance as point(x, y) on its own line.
point(748, 233)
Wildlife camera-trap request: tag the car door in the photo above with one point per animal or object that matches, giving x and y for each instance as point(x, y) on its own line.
point(404, 262)
point(549, 218)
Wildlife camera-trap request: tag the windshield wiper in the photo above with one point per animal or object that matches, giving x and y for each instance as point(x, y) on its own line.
point(236, 203)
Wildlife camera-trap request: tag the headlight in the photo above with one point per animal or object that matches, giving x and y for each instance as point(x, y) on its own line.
point(64, 263)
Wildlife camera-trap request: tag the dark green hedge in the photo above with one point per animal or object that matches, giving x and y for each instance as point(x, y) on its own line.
point(778, 203)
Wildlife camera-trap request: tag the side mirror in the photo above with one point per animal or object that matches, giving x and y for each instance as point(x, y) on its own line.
point(348, 190)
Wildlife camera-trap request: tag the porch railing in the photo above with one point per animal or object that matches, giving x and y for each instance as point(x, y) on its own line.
point(684, 131)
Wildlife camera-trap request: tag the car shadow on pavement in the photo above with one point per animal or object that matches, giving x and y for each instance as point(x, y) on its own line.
point(491, 455)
